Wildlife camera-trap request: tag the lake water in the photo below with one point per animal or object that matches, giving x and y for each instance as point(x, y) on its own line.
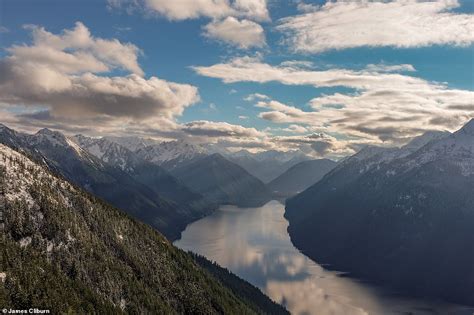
point(254, 244)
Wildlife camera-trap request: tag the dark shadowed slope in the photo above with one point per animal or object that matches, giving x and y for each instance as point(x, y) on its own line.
point(224, 182)
point(403, 217)
point(300, 176)
point(66, 251)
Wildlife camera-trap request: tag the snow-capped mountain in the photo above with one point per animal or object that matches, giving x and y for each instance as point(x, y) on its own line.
point(141, 193)
point(172, 154)
point(373, 156)
point(132, 143)
point(400, 216)
point(458, 148)
point(147, 173)
point(108, 151)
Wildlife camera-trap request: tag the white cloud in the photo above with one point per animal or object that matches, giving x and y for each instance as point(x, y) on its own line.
point(243, 34)
point(243, 117)
point(381, 67)
point(3, 29)
point(256, 96)
point(386, 106)
point(76, 50)
point(398, 23)
point(58, 74)
point(192, 9)
point(296, 129)
point(233, 22)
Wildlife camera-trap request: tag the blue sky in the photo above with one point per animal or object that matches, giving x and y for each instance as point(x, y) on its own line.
point(170, 47)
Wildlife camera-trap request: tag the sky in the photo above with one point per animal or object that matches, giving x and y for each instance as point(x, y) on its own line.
point(323, 77)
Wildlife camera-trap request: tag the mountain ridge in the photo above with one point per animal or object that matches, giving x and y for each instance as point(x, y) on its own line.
point(403, 219)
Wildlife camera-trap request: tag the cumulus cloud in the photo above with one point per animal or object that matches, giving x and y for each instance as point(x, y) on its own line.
point(233, 22)
point(398, 23)
point(386, 106)
point(295, 129)
point(243, 34)
point(192, 9)
point(65, 76)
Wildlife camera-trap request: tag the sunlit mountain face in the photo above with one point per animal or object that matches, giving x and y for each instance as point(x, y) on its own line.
point(320, 150)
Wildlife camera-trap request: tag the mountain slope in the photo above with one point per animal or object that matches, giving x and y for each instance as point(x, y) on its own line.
point(65, 157)
point(401, 217)
point(66, 251)
point(224, 182)
point(300, 176)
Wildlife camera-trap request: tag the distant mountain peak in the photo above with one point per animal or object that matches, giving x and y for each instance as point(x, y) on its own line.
point(428, 136)
point(47, 131)
point(468, 128)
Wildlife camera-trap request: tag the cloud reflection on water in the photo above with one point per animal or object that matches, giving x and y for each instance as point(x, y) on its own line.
point(254, 244)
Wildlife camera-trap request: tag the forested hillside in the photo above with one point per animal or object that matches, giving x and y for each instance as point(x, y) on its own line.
point(67, 251)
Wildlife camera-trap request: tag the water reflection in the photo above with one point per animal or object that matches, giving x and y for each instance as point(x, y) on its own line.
point(254, 244)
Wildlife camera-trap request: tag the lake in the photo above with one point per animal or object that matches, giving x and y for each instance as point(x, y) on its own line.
point(254, 244)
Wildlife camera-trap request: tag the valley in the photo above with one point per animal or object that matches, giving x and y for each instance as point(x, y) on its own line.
point(237, 157)
point(301, 257)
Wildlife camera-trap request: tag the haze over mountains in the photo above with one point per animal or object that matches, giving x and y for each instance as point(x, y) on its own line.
point(267, 165)
point(223, 182)
point(300, 176)
point(402, 217)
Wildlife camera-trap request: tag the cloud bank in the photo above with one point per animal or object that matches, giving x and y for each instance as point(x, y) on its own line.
point(386, 107)
point(342, 24)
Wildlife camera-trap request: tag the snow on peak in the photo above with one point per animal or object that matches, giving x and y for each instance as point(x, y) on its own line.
point(368, 152)
point(56, 139)
point(171, 150)
point(418, 142)
point(468, 128)
point(458, 148)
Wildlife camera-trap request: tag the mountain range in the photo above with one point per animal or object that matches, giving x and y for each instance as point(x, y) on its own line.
point(111, 182)
point(149, 180)
point(402, 217)
point(66, 251)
